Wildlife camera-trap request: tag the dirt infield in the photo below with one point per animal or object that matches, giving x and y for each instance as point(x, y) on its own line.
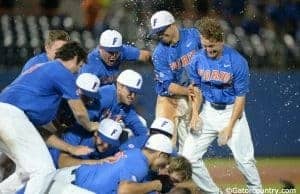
point(271, 171)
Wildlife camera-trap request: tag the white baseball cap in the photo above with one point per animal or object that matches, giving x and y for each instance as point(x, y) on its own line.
point(160, 21)
point(89, 84)
point(110, 131)
point(131, 79)
point(111, 41)
point(159, 142)
point(163, 124)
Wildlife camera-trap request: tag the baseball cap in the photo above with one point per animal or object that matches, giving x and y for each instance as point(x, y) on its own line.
point(163, 124)
point(110, 131)
point(89, 84)
point(159, 142)
point(131, 79)
point(111, 41)
point(160, 21)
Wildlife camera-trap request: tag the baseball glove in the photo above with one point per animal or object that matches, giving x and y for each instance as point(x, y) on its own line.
point(167, 183)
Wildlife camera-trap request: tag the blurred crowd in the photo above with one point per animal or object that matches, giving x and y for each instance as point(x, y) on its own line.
point(268, 32)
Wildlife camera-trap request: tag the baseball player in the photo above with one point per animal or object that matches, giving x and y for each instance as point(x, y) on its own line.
point(32, 100)
point(222, 75)
point(54, 40)
point(170, 58)
point(105, 143)
point(125, 175)
point(160, 125)
point(116, 101)
point(104, 61)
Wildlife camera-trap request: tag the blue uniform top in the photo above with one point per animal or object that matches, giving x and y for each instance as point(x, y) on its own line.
point(170, 61)
point(40, 58)
point(132, 165)
point(222, 79)
point(107, 74)
point(39, 90)
point(111, 108)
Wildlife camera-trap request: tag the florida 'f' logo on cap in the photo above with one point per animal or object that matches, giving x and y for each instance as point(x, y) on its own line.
point(113, 132)
point(164, 123)
point(114, 40)
point(154, 22)
point(138, 82)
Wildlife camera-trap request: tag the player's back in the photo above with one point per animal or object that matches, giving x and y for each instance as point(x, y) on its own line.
point(131, 165)
point(40, 58)
point(38, 91)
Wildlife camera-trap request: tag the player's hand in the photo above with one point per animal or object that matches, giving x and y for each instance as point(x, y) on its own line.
point(166, 182)
point(80, 150)
point(224, 136)
point(94, 126)
point(110, 159)
point(196, 125)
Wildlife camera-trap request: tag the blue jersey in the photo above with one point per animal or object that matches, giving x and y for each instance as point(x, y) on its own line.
point(108, 74)
point(132, 166)
point(111, 108)
point(39, 90)
point(40, 58)
point(222, 79)
point(170, 61)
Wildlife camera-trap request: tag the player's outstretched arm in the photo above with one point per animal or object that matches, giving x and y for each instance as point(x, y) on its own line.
point(67, 160)
point(126, 187)
point(81, 115)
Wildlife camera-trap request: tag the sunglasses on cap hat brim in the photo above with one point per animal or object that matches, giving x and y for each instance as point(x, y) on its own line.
point(113, 142)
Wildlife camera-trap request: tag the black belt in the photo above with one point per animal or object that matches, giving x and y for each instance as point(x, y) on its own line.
point(218, 106)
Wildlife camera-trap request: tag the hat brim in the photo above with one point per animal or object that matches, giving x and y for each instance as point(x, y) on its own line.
point(112, 49)
point(134, 90)
point(90, 94)
point(157, 30)
point(112, 142)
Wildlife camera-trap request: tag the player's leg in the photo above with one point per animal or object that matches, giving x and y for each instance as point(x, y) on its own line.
point(25, 147)
point(243, 152)
point(194, 148)
point(184, 116)
point(166, 107)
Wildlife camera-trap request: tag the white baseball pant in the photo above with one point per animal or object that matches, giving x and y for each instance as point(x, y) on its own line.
point(178, 110)
point(20, 141)
point(61, 182)
point(240, 144)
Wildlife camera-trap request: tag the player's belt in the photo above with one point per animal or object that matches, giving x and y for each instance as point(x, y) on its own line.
point(218, 106)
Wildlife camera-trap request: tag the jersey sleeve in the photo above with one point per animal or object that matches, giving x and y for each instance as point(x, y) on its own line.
point(133, 122)
point(72, 138)
point(162, 71)
point(131, 53)
point(193, 71)
point(240, 75)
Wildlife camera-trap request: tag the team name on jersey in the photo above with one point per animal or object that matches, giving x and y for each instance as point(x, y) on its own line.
point(216, 75)
point(182, 61)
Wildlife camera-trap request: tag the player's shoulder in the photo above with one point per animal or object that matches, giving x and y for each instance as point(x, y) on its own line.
point(108, 90)
point(233, 53)
point(190, 30)
point(160, 49)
